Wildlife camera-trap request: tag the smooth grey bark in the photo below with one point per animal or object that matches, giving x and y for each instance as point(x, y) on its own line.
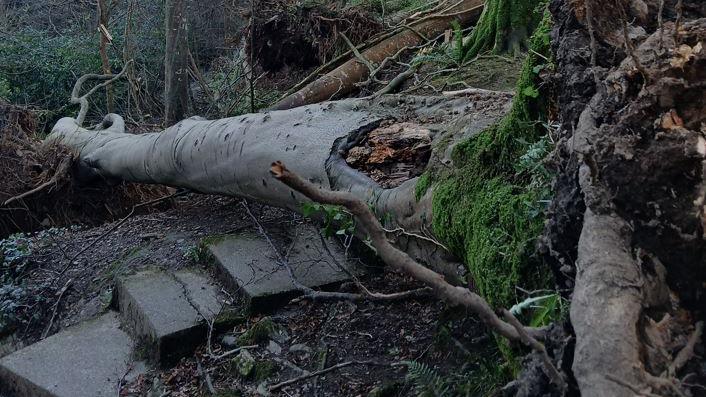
point(176, 94)
point(232, 156)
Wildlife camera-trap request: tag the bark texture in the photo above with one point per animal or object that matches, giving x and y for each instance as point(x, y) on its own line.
point(232, 156)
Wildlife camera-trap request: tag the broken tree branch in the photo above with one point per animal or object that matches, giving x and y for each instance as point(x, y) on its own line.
point(83, 100)
point(549, 368)
point(399, 259)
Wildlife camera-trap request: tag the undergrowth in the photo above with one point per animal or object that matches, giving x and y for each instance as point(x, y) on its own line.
point(17, 300)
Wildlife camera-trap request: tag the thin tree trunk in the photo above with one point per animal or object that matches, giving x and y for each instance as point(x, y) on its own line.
point(103, 18)
point(176, 63)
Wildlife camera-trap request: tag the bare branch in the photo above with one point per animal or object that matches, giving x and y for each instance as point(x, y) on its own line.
point(399, 259)
point(83, 100)
point(528, 340)
point(320, 372)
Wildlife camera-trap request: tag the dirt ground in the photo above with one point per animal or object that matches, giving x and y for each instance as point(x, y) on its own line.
point(316, 334)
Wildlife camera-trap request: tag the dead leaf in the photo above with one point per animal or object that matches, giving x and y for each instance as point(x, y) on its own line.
point(682, 55)
point(671, 121)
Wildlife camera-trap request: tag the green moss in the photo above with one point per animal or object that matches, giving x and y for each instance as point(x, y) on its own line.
point(484, 210)
point(264, 369)
point(258, 333)
point(503, 26)
point(423, 184)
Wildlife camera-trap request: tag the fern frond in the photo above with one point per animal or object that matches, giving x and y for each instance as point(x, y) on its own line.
point(425, 381)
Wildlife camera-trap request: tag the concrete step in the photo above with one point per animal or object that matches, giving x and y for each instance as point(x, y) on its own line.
point(88, 360)
point(245, 262)
point(167, 312)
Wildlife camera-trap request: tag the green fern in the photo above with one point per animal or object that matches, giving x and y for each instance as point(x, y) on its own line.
point(426, 382)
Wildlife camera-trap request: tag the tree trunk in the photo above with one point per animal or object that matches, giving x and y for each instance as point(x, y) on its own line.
point(176, 62)
point(103, 18)
point(232, 156)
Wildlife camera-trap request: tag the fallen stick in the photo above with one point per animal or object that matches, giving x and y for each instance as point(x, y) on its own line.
point(473, 91)
point(398, 259)
point(549, 368)
point(320, 372)
point(231, 352)
point(56, 308)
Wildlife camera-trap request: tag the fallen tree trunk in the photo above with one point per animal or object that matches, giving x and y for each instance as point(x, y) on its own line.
point(232, 156)
point(342, 80)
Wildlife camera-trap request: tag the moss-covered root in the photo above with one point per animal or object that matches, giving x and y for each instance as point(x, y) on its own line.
point(504, 26)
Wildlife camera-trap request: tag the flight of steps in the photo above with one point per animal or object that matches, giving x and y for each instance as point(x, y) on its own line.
point(161, 316)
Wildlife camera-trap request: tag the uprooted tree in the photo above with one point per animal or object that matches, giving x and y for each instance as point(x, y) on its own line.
point(625, 230)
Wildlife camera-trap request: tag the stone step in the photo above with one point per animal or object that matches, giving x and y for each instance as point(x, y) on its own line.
point(245, 262)
point(88, 360)
point(167, 312)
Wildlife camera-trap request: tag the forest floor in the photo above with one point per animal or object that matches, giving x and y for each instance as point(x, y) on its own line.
point(317, 334)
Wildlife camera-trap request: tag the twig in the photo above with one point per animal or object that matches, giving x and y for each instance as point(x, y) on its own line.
point(473, 91)
point(62, 170)
point(56, 308)
point(231, 352)
point(207, 378)
point(633, 388)
point(397, 258)
point(549, 368)
point(592, 34)
point(688, 351)
point(375, 296)
point(121, 381)
point(660, 23)
point(357, 54)
point(630, 48)
point(320, 372)
point(398, 80)
point(677, 23)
